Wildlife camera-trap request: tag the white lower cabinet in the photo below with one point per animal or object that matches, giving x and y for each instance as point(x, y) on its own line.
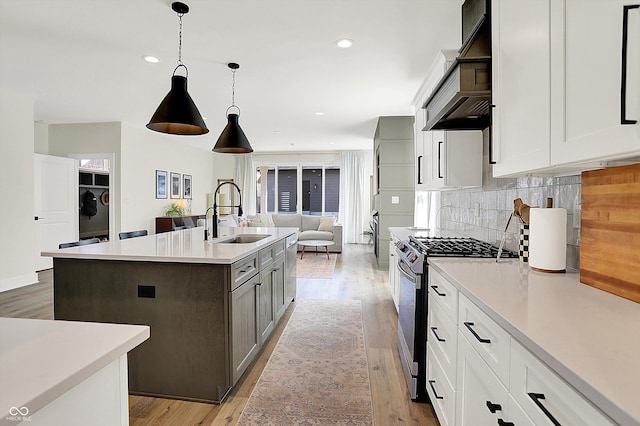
point(482, 398)
point(441, 391)
point(515, 415)
point(442, 347)
point(545, 397)
point(442, 335)
point(394, 285)
point(488, 338)
point(478, 374)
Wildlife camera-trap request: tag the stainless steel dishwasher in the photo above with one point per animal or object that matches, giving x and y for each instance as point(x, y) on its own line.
point(291, 245)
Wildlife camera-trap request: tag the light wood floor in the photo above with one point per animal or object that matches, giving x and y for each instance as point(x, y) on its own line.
point(356, 277)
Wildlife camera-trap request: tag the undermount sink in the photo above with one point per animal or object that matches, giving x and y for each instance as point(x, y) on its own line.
point(244, 239)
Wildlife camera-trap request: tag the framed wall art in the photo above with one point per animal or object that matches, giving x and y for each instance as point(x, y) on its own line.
point(161, 184)
point(175, 185)
point(186, 186)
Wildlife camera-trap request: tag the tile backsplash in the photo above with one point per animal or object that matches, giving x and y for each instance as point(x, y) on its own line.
point(483, 212)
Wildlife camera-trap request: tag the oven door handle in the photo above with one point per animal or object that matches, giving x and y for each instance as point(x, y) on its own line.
point(411, 277)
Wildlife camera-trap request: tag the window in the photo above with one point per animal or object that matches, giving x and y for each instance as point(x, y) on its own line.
point(312, 191)
point(318, 188)
point(96, 164)
point(287, 189)
point(332, 191)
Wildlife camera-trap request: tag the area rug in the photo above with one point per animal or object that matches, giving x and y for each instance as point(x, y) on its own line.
point(316, 266)
point(317, 373)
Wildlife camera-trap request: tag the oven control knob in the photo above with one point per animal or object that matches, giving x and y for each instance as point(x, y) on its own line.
point(413, 257)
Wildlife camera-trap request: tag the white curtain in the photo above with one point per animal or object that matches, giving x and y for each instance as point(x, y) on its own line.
point(246, 181)
point(352, 190)
point(427, 207)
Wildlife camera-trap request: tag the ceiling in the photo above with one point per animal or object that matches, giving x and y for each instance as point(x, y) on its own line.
point(81, 61)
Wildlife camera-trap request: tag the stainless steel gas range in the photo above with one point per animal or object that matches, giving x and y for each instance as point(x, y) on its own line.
point(412, 267)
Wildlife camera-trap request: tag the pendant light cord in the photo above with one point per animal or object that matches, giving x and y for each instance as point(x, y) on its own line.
point(233, 67)
point(180, 41)
point(233, 89)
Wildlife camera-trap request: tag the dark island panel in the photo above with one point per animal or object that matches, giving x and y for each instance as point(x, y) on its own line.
point(185, 305)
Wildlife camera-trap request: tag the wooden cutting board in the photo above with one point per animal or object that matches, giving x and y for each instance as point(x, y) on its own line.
point(610, 230)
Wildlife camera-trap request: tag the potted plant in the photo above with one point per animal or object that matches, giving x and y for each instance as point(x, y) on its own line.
point(369, 233)
point(174, 209)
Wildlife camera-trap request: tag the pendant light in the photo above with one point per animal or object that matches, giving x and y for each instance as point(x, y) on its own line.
point(232, 140)
point(177, 113)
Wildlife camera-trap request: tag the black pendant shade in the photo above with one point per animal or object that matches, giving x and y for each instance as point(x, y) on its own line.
point(232, 140)
point(177, 113)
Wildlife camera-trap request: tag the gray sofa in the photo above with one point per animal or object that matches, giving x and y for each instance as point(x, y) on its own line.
point(309, 227)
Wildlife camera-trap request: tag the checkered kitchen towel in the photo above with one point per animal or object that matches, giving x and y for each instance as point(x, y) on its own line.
point(523, 246)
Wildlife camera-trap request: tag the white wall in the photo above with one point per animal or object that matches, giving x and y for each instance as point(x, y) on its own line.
point(41, 138)
point(17, 235)
point(144, 151)
point(224, 167)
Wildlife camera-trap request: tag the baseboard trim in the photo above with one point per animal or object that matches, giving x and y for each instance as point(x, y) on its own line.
point(11, 283)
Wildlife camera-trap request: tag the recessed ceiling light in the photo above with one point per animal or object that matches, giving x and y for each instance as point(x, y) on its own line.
point(276, 131)
point(332, 143)
point(344, 43)
point(318, 113)
point(151, 59)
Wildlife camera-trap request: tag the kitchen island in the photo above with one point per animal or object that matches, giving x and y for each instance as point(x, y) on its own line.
point(61, 372)
point(211, 305)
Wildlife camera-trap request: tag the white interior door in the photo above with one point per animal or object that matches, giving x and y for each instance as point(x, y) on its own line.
point(56, 204)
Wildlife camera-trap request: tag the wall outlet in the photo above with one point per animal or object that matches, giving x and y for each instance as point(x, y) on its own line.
point(576, 216)
point(395, 199)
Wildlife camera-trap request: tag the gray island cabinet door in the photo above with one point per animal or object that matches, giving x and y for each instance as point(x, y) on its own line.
point(245, 342)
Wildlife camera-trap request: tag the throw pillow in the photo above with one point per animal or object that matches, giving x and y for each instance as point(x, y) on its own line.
point(266, 219)
point(326, 224)
point(228, 221)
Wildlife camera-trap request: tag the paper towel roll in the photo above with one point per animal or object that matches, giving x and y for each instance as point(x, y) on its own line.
point(548, 240)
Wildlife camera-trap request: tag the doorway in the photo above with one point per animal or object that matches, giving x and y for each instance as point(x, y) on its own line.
point(96, 176)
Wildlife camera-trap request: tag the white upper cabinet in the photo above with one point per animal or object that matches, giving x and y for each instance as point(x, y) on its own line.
point(565, 84)
point(456, 159)
point(520, 85)
point(444, 159)
point(595, 80)
point(423, 139)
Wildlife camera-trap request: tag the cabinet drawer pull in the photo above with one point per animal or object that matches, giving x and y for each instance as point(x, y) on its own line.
point(491, 159)
point(536, 397)
point(493, 407)
point(480, 339)
point(623, 89)
point(503, 423)
point(258, 283)
point(435, 288)
point(433, 388)
point(438, 338)
point(419, 169)
point(440, 143)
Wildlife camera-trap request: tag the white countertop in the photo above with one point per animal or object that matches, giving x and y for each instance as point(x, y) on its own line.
point(589, 337)
point(42, 359)
point(184, 246)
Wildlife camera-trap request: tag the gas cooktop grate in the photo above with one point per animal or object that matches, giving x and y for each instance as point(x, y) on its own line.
point(457, 247)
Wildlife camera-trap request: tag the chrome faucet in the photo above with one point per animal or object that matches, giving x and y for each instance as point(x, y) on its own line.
point(214, 219)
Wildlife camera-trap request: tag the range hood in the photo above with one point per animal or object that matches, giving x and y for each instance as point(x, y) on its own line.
point(462, 98)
